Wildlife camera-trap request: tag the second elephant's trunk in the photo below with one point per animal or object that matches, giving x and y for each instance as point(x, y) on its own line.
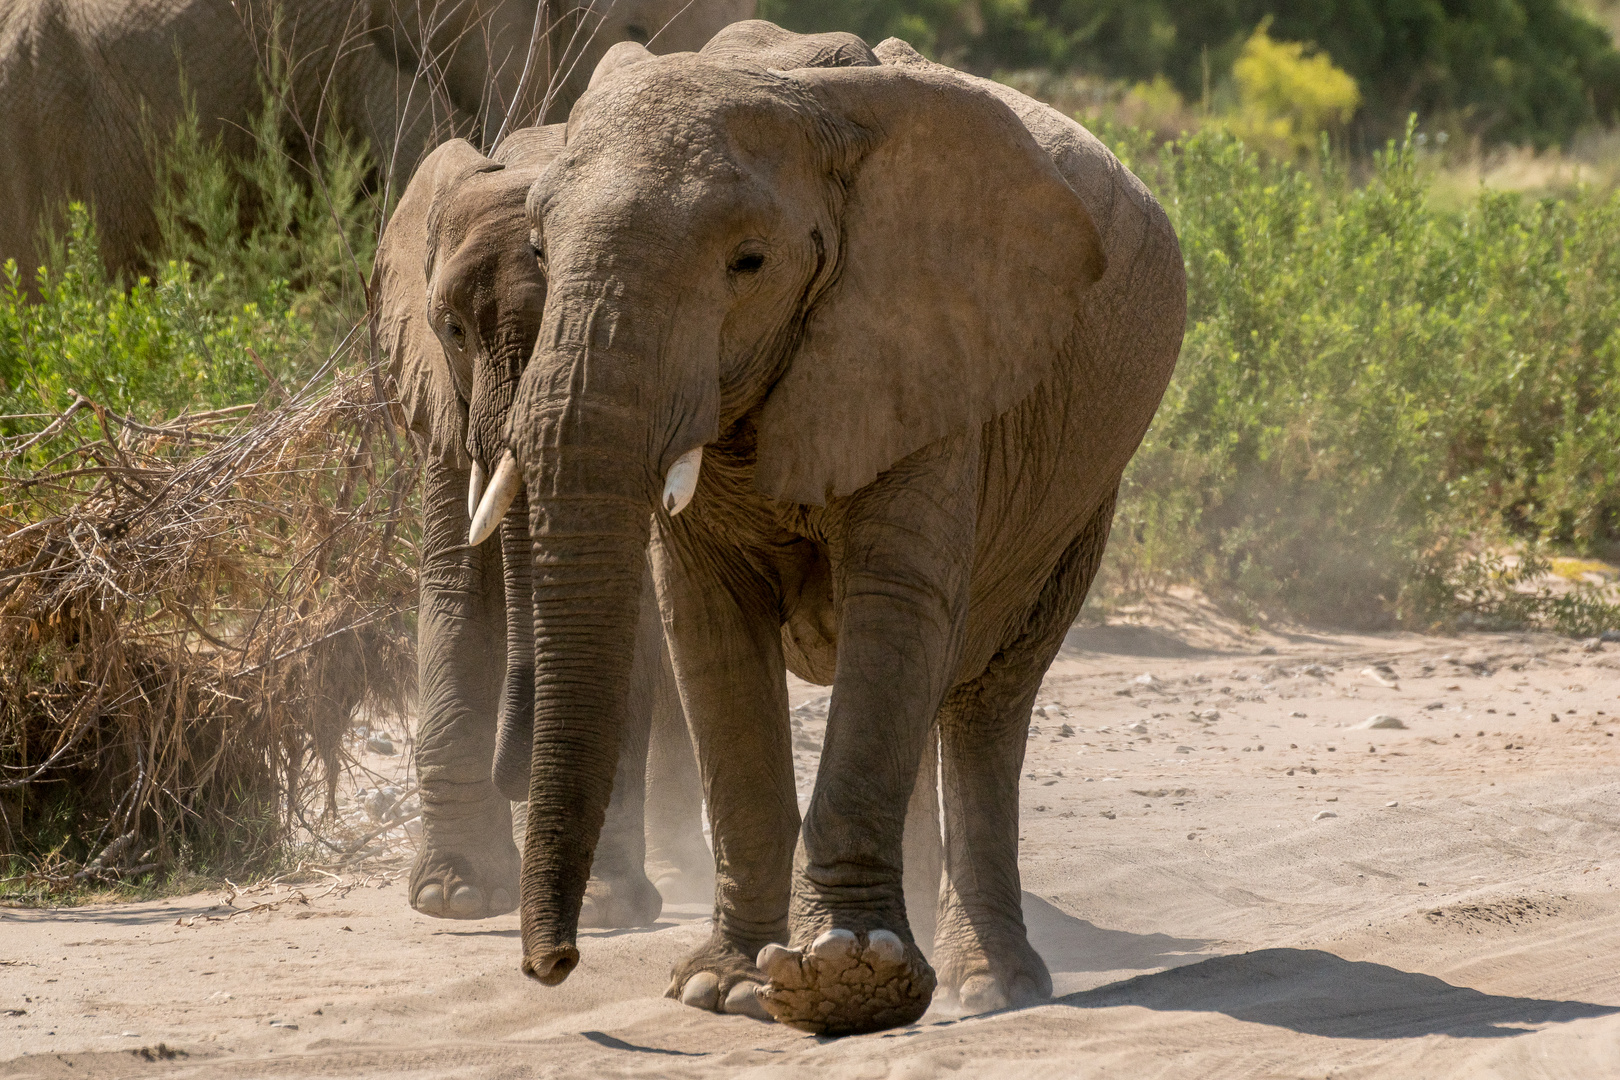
point(514, 741)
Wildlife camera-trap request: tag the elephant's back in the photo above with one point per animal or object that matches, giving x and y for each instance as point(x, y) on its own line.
point(84, 81)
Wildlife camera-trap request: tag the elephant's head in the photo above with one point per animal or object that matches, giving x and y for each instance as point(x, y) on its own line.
point(812, 272)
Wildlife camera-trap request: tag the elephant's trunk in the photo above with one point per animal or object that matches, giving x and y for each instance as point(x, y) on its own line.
point(587, 480)
point(514, 741)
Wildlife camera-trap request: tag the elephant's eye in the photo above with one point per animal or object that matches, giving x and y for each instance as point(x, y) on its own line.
point(457, 334)
point(748, 262)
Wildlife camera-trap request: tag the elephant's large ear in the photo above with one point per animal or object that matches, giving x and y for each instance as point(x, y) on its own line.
point(962, 260)
point(421, 373)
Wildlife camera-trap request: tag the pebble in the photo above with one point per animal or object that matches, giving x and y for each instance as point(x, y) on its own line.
point(1297, 715)
point(1210, 715)
point(1381, 721)
point(379, 744)
point(1184, 749)
point(1321, 814)
point(1138, 727)
point(1146, 680)
point(1392, 804)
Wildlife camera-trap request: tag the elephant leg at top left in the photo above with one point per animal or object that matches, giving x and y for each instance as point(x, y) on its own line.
point(467, 865)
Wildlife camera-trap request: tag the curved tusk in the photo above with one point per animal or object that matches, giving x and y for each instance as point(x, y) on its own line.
point(475, 489)
point(682, 480)
point(503, 488)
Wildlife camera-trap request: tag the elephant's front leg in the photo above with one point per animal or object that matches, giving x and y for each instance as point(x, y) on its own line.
point(725, 640)
point(902, 553)
point(467, 865)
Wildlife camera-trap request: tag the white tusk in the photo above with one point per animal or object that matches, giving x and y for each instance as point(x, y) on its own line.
point(682, 480)
point(475, 489)
point(503, 488)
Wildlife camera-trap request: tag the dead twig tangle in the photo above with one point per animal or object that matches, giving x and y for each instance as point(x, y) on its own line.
point(191, 611)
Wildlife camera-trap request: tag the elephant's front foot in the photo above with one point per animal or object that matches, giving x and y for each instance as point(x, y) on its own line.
point(467, 866)
point(719, 977)
point(618, 902)
point(981, 977)
point(846, 983)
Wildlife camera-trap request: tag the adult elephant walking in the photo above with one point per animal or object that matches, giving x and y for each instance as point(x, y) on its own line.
point(84, 80)
point(877, 342)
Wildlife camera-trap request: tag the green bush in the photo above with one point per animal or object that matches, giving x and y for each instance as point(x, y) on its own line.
point(1374, 393)
point(1520, 71)
point(258, 273)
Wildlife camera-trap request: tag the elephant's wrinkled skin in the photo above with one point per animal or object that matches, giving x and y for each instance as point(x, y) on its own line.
point(80, 79)
point(458, 297)
point(917, 323)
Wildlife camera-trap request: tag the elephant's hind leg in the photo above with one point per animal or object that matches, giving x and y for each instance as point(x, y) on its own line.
point(678, 858)
point(981, 951)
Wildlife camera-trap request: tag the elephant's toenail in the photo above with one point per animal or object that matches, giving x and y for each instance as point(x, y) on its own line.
point(772, 956)
point(743, 1000)
point(885, 946)
point(834, 945)
point(430, 900)
point(466, 903)
point(702, 991)
point(982, 993)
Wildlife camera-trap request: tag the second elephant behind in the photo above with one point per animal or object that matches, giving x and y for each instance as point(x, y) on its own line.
point(460, 228)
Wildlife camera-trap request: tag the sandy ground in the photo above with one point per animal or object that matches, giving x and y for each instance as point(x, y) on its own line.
point(1228, 874)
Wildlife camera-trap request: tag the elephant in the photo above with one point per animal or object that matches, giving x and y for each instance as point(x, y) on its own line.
point(88, 82)
point(457, 295)
point(861, 345)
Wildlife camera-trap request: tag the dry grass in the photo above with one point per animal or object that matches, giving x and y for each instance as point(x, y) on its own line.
point(190, 614)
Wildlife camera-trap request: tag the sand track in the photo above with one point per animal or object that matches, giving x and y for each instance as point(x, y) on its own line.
point(1457, 916)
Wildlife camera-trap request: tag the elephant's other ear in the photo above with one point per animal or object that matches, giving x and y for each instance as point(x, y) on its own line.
point(433, 411)
point(622, 55)
point(963, 259)
point(761, 44)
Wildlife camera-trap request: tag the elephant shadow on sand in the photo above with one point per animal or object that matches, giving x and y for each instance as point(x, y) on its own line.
point(1305, 990)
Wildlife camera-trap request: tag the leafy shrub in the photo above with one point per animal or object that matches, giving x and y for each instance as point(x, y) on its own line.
point(1289, 93)
point(257, 273)
point(1373, 391)
point(1518, 71)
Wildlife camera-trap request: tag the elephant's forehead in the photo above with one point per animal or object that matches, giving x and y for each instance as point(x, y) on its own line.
point(677, 110)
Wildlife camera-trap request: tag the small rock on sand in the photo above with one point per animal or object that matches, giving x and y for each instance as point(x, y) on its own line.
point(1382, 721)
point(1321, 814)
